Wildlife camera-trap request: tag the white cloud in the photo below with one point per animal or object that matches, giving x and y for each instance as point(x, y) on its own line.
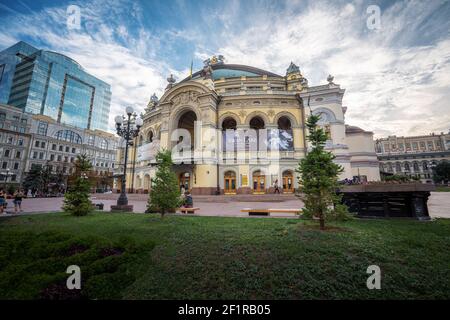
point(133, 77)
point(396, 79)
point(392, 86)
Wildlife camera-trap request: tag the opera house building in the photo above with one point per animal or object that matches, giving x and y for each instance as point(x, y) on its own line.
point(236, 129)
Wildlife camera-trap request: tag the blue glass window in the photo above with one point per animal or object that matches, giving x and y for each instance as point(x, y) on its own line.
point(68, 135)
point(76, 108)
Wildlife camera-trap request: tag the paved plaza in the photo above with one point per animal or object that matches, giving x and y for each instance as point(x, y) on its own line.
point(230, 206)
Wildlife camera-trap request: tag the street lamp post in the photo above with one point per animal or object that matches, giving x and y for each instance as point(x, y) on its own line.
point(128, 132)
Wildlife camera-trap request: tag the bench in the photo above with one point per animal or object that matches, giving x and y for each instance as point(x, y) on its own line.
point(188, 210)
point(267, 212)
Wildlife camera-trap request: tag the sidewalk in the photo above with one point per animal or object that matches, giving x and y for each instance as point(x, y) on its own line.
point(223, 206)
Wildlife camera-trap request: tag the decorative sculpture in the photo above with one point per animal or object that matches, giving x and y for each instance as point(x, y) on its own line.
point(171, 80)
point(153, 102)
point(330, 79)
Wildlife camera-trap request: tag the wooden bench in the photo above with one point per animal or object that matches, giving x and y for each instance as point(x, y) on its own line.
point(267, 212)
point(188, 210)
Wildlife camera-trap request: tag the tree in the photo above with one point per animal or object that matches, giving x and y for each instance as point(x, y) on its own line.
point(164, 194)
point(39, 178)
point(319, 178)
point(441, 173)
point(76, 199)
point(33, 180)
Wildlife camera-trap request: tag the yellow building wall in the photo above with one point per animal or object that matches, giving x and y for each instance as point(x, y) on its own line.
point(205, 176)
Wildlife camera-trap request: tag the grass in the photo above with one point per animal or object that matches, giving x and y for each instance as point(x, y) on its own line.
point(442, 189)
point(136, 256)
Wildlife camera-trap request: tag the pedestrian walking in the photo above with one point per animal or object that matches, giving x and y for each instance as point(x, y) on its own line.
point(18, 196)
point(276, 187)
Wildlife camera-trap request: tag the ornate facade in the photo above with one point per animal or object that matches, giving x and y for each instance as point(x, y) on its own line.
point(241, 130)
point(413, 156)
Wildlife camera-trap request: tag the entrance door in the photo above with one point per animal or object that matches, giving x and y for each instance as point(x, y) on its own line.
point(230, 182)
point(184, 180)
point(288, 182)
point(259, 182)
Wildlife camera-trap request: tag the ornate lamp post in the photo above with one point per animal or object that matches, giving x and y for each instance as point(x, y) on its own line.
point(128, 132)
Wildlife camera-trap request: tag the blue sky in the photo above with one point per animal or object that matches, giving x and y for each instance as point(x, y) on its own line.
point(397, 78)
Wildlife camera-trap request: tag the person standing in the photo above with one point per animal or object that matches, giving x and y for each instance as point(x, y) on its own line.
point(2, 201)
point(276, 188)
point(18, 196)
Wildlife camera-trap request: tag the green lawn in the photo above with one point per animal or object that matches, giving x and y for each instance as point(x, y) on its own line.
point(136, 256)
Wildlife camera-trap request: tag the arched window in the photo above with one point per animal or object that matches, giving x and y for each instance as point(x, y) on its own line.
point(398, 167)
point(68, 135)
point(228, 138)
point(150, 136)
point(187, 121)
point(425, 166)
point(285, 136)
point(389, 167)
point(416, 167)
point(256, 123)
point(407, 167)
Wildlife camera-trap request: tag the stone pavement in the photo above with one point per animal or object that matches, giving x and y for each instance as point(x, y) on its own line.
point(438, 204)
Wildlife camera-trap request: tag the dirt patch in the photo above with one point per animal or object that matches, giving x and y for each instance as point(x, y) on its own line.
point(107, 252)
point(75, 249)
point(59, 291)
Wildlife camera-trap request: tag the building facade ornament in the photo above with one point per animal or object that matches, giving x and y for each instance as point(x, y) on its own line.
point(185, 97)
point(236, 97)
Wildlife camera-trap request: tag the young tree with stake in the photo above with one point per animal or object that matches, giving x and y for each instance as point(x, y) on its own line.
point(319, 178)
point(165, 193)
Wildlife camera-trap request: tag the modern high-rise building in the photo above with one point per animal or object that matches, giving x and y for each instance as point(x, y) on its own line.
point(52, 84)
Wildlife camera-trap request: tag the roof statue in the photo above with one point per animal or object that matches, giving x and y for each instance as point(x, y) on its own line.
point(330, 79)
point(214, 60)
point(171, 80)
point(153, 102)
point(207, 71)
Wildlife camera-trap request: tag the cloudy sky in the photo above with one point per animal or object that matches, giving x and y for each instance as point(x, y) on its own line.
point(396, 76)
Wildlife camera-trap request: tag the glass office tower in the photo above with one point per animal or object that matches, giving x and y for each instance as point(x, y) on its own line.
point(49, 83)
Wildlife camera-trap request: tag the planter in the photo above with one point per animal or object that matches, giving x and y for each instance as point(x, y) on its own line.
point(407, 200)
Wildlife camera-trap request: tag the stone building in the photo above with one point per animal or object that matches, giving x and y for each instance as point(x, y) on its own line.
point(28, 140)
point(239, 129)
point(413, 156)
point(15, 138)
point(58, 145)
